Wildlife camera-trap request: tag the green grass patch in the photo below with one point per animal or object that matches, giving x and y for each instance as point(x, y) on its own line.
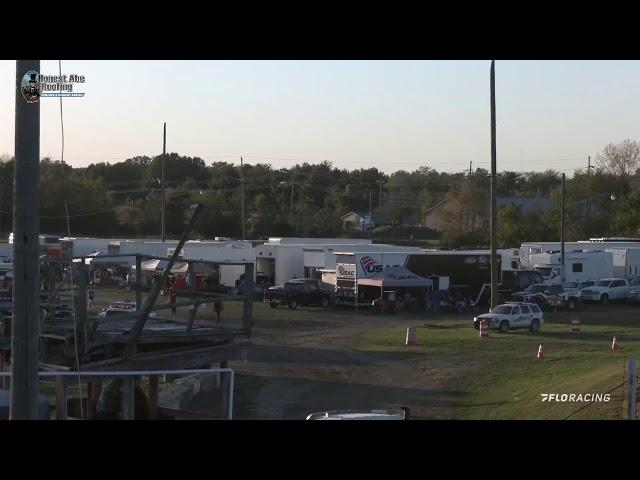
point(501, 378)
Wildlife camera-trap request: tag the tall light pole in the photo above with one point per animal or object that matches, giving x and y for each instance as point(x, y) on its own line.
point(562, 275)
point(380, 195)
point(164, 153)
point(291, 208)
point(242, 200)
point(25, 326)
point(494, 256)
point(282, 207)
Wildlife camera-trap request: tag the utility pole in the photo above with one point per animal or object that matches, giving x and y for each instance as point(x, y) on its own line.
point(370, 218)
point(282, 207)
point(494, 256)
point(589, 167)
point(470, 164)
point(164, 153)
point(25, 329)
point(380, 197)
point(562, 232)
point(242, 200)
point(291, 208)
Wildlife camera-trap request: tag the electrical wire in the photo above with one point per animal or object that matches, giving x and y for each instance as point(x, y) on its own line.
point(75, 329)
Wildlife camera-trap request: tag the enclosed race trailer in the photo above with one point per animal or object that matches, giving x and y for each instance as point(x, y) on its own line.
point(626, 262)
point(580, 265)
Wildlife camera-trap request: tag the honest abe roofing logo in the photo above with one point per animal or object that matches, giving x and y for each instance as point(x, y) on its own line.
point(35, 85)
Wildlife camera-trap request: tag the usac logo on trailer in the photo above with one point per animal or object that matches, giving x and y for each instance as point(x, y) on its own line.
point(30, 87)
point(369, 265)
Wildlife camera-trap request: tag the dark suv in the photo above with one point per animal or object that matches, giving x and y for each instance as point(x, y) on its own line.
point(304, 291)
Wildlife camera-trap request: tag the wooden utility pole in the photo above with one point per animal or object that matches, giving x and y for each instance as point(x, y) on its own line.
point(562, 276)
point(164, 153)
point(291, 209)
point(370, 218)
point(470, 165)
point(589, 167)
point(25, 329)
point(242, 200)
point(380, 197)
point(493, 218)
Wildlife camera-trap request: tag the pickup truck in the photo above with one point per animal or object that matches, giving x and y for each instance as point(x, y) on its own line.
point(606, 290)
point(545, 295)
point(303, 291)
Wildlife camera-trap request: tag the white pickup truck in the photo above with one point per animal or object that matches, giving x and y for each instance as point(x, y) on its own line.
point(607, 290)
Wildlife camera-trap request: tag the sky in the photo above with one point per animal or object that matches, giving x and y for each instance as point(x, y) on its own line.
point(392, 115)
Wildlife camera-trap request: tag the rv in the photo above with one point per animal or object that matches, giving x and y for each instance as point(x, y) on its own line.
point(580, 265)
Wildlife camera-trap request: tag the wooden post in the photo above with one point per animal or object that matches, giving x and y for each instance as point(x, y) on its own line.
point(493, 205)
point(26, 260)
point(191, 281)
point(128, 398)
point(81, 319)
point(633, 386)
point(247, 309)
point(153, 397)
point(225, 384)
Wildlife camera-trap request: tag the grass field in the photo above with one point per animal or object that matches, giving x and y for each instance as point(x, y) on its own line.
point(500, 377)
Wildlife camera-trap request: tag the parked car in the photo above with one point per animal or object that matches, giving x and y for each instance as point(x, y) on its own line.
point(579, 286)
point(562, 297)
point(606, 290)
point(303, 291)
point(513, 316)
point(634, 291)
point(119, 308)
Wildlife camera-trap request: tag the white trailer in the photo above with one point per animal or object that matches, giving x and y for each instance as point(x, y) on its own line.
point(580, 265)
point(626, 262)
point(222, 252)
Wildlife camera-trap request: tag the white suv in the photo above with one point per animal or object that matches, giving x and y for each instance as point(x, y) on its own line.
point(607, 289)
point(512, 316)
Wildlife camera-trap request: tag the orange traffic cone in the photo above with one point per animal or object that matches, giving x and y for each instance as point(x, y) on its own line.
point(615, 345)
point(484, 328)
point(540, 352)
point(575, 324)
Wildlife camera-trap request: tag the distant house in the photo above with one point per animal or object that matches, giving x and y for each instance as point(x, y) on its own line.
point(434, 217)
point(359, 220)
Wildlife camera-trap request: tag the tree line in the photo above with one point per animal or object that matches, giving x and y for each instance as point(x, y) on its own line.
point(123, 199)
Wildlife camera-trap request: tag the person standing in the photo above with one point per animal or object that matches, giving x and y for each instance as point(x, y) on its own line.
point(92, 296)
point(435, 301)
point(218, 308)
point(172, 300)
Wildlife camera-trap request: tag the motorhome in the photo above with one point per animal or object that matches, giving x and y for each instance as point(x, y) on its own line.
point(580, 265)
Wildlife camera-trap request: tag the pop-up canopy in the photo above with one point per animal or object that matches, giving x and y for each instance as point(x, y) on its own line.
point(396, 277)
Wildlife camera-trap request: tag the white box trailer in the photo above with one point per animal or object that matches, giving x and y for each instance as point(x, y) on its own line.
point(626, 262)
point(222, 252)
point(580, 265)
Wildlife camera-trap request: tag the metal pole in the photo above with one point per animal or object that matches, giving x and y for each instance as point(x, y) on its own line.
point(380, 196)
point(633, 386)
point(26, 288)
point(164, 153)
point(370, 218)
point(242, 200)
point(494, 256)
point(588, 193)
point(282, 207)
point(562, 232)
point(291, 209)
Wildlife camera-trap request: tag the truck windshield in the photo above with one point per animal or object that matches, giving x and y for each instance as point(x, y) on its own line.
point(535, 288)
point(603, 283)
point(571, 285)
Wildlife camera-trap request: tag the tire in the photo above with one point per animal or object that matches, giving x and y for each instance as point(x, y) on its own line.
point(571, 304)
point(273, 305)
point(535, 326)
point(293, 304)
point(604, 299)
point(504, 326)
point(325, 303)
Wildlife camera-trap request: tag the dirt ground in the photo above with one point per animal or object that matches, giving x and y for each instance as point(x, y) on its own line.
point(305, 361)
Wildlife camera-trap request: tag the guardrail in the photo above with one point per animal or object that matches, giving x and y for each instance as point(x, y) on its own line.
point(128, 403)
